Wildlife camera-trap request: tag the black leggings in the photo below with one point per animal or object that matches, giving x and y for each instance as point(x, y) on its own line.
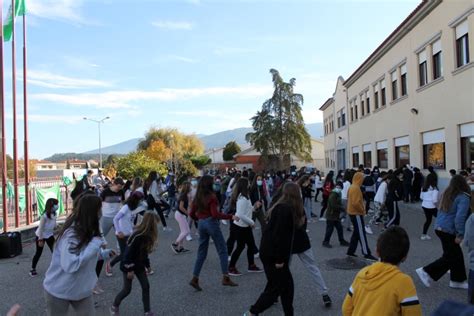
point(324, 204)
point(244, 238)
point(39, 250)
point(127, 288)
point(159, 210)
point(317, 193)
point(429, 213)
point(123, 245)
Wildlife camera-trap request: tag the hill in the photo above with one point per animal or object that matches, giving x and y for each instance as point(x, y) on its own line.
point(122, 148)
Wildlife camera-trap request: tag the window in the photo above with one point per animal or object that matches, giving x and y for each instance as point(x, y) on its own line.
point(376, 99)
point(462, 44)
point(356, 112)
point(422, 68)
point(394, 86)
point(343, 117)
point(352, 113)
point(382, 154)
point(437, 60)
point(367, 102)
point(362, 106)
point(402, 156)
point(355, 157)
point(434, 149)
point(338, 119)
point(382, 91)
point(367, 155)
point(403, 71)
point(467, 146)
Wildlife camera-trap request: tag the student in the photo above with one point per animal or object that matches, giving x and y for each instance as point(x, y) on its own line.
point(356, 211)
point(204, 209)
point(327, 189)
point(123, 223)
point(469, 243)
point(429, 196)
point(136, 185)
point(394, 194)
point(71, 276)
point(449, 227)
point(243, 227)
point(306, 192)
point(139, 245)
point(181, 216)
point(45, 232)
point(345, 188)
point(258, 195)
point(318, 184)
point(333, 217)
point(153, 193)
point(381, 288)
point(380, 198)
point(276, 248)
point(171, 189)
point(417, 184)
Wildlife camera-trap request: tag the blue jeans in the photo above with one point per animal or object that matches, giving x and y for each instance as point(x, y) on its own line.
point(209, 227)
point(470, 290)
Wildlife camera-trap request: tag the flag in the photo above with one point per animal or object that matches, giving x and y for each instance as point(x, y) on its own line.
point(43, 195)
point(20, 10)
point(67, 181)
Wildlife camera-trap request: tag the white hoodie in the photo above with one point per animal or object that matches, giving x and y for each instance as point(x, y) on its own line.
point(244, 211)
point(72, 276)
point(381, 194)
point(430, 198)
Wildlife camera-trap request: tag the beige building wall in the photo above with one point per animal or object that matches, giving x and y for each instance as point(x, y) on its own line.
point(444, 103)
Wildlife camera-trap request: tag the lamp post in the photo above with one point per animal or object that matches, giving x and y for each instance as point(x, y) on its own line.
point(99, 122)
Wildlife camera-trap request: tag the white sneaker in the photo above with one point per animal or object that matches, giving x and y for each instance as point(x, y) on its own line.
point(368, 230)
point(425, 237)
point(257, 255)
point(224, 222)
point(322, 219)
point(424, 277)
point(167, 229)
point(189, 238)
point(458, 285)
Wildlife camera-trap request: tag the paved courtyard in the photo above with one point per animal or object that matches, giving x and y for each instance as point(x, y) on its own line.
point(171, 295)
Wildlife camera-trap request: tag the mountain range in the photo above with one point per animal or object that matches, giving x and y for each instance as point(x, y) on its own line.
point(216, 140)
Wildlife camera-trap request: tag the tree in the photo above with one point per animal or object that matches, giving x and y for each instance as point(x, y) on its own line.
point(200, 161)
point(230, 149)
point(279, 128)
point(138, 164)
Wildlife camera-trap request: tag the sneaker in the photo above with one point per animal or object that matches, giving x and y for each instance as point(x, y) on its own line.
point(370, 258)
point(322, 219)
point(344, 243)
point(458, 285)
point(189, 238)
point(108, 269)
point(424, 277)
point(229, 258)
point(224, 222)
point(378, 222)
point(313, 215)
point(425, 237)
point(353, 255)
point(327, 300)
point(234, 272)
point(149, 271)
point(33, 273)
point(349, 229)
point(327, 245)
point(256, 256)
point(114, 311)
point(175, 249)
point(254, 269)
point(167, 229)
point(97, 290)
point(368, 230)
point(184, 250)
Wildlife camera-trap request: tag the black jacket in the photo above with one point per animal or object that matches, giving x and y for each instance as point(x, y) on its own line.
point(136, 256)
point(257, 194)
point(278, 235)
point(301, 241)
point(306, 191)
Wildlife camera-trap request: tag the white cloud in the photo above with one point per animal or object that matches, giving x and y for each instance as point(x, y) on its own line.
point(79, 62)
point(184, 59)
point(124, 99)
point(64, 10)
point(173, 25)
point(232, 50)
point(50, 80)
point(172, 58)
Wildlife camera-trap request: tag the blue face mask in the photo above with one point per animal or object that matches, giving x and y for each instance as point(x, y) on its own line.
point(259, 183)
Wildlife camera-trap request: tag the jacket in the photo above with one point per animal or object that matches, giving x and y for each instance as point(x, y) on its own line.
point(335, 207)
point(469, 240)
point(278, 235)
point(453, 221)
point(301, 241)
point(135, 257)
point(381, 194)
point(244, 211)
point(355, 200)
point(430, 198)
point(381, 289)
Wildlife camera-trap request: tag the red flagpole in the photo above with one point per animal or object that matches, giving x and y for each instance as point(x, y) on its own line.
point(15, 149)
point(25, 124)
point(4, 145)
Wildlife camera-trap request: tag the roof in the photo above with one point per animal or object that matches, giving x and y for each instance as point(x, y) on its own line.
point(243, 152)
point(423, 9)
point(44, 162)
point(326, 104)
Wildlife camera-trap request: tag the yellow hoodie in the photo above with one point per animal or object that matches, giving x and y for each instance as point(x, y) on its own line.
point(355, 200)
point(382, 289)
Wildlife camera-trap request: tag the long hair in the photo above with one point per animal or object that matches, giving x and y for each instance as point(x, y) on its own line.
point(84, 221)
point(329, 177)
point(48, 208)
point(185, 188)
point(240, 188)
point(152, 176)
point(348, 174)
point(302, 180)
point(457, 185)
point(134, 200)
point(291, 195)
point(148, 227)
point(203, 193)
point(137, 182)
point(430, 181)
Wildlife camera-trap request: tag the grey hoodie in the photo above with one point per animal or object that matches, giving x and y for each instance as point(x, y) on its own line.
point(469, 240)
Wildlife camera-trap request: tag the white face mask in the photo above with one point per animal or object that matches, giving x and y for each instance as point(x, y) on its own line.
point(55, 208)
point(259, 182)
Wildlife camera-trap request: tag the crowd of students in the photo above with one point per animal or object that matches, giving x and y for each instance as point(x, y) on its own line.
point(282, 204)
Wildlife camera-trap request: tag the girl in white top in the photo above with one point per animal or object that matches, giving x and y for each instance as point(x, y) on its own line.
point(380, 197)
point(45, 232)
point(71, 276)
point(137, 185)
point(243, 227)
point(429, 195)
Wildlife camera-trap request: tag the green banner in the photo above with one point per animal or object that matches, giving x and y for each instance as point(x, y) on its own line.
point(20, 10)
point(43, 195)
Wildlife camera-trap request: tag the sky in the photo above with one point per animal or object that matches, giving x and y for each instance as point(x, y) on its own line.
point(200, 66)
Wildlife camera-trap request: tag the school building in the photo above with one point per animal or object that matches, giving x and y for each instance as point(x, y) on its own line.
point(412, 100)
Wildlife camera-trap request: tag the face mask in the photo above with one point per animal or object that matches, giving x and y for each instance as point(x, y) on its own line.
point(55, 208)
point(194, 183)
point(259, 183)
point(293, 173)
point(268, 175)
point(216, 187)
point(337, 190)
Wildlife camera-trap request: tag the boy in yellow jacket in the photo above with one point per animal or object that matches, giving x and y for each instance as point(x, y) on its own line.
point(381, 288)
point(356, 211)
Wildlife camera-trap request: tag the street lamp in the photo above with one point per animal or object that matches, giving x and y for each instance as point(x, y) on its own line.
point(99, 122)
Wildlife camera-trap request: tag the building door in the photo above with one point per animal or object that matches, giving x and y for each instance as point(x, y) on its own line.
point(341, 159)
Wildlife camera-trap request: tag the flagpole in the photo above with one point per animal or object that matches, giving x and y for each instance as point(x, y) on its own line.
point(25, 124)
point(2, 109)
point(15, 149)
